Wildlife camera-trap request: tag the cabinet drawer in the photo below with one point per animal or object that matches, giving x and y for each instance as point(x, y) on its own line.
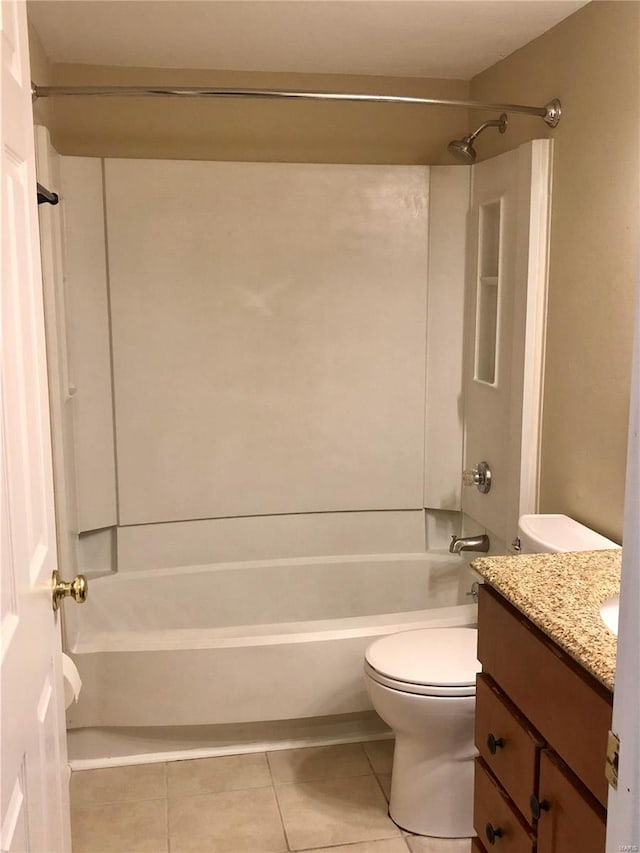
point(508, 745)
point(570, 709)
point(493, 811)
point(572, 821)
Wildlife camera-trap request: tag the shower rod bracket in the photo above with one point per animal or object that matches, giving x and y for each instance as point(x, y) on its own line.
point(554, 112)
point(551, 112)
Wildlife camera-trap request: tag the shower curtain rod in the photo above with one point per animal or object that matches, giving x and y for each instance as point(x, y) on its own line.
point(550, 112)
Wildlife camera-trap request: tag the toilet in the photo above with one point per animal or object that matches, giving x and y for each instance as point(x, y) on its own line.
point(422, 684)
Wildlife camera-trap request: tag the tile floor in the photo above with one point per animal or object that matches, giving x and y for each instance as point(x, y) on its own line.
point(329, 799)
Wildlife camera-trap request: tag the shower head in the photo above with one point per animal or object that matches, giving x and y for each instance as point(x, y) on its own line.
point(463, 150)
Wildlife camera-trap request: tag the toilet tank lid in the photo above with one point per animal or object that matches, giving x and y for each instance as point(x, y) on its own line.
point(438, 656)
point(553, 533)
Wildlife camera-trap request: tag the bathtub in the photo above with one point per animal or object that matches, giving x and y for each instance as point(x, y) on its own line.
point(253, 641)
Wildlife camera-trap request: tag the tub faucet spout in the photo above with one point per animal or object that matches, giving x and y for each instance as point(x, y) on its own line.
point(469, 543)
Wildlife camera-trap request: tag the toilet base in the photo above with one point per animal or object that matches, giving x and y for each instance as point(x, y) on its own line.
point(431, 793)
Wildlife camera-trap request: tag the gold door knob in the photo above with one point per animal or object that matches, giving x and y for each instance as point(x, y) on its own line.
point(78, 589)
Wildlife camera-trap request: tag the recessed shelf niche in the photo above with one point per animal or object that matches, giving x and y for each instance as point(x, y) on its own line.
point(488, 293)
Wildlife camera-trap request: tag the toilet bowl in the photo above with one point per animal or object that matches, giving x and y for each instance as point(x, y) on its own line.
point(422, 684)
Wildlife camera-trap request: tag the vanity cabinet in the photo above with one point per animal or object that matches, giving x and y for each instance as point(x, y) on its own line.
point(541, 733)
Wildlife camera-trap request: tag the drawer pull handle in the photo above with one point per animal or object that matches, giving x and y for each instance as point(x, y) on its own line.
point(492, 832)
point(537, 806)
point(494, 743)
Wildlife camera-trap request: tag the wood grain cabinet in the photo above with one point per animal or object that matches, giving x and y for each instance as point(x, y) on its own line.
point(541, 733)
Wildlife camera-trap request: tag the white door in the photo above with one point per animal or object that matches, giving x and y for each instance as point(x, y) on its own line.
point(34, 796)
point(504, 333)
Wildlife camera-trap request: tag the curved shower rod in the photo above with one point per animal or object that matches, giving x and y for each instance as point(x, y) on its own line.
point(550, 112)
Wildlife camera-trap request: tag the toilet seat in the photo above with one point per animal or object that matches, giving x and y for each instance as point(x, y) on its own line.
point(426, 662)
point(418, 689)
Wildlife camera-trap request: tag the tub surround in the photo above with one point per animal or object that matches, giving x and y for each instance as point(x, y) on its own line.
point(561, 594)
point(305, 394)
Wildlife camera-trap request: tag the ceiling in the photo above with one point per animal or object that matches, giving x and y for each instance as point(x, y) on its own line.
point(397, 38)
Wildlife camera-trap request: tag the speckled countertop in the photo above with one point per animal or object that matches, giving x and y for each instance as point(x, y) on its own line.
point(562, 594)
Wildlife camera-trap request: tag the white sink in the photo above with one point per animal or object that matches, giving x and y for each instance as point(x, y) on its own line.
point(609, 613)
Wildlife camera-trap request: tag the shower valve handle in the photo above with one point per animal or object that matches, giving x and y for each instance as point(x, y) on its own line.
point(479, 476)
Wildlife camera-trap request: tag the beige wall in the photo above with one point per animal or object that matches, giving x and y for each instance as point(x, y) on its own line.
point(271, 131)
point(591, 62)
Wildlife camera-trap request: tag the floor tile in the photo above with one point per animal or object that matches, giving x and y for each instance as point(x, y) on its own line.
point(389, 845)
point(385, 783)
point(334, 811)
point(425, 844)
point(131, 827)
point(320, 762)
point(118, 784)
point(212, 775)
point(380, 754)
point(226, 822)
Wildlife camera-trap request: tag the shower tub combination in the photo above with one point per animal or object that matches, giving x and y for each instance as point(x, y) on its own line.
point(253, 641)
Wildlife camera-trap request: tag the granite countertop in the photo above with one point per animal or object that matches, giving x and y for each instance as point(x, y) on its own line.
point(562, 594)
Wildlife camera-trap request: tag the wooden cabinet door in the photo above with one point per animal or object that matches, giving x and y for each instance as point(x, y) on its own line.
point(507, 743)
point(572, 821)
point(495, 819)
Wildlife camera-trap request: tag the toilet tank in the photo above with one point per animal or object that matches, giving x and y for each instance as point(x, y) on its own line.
point(553, 533)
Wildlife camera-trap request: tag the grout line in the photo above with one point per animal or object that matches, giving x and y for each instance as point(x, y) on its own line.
point(369, 760)
point(275, 793)
point(348, 844)
point(384, 793)
point(166, 800)
point(322, 779)
point(214, 792)
point(370, 772)
point(366, 755)
point(375, 773)
point(97, 804)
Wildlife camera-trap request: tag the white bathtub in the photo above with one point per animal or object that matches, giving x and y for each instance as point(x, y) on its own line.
point(255, 641)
